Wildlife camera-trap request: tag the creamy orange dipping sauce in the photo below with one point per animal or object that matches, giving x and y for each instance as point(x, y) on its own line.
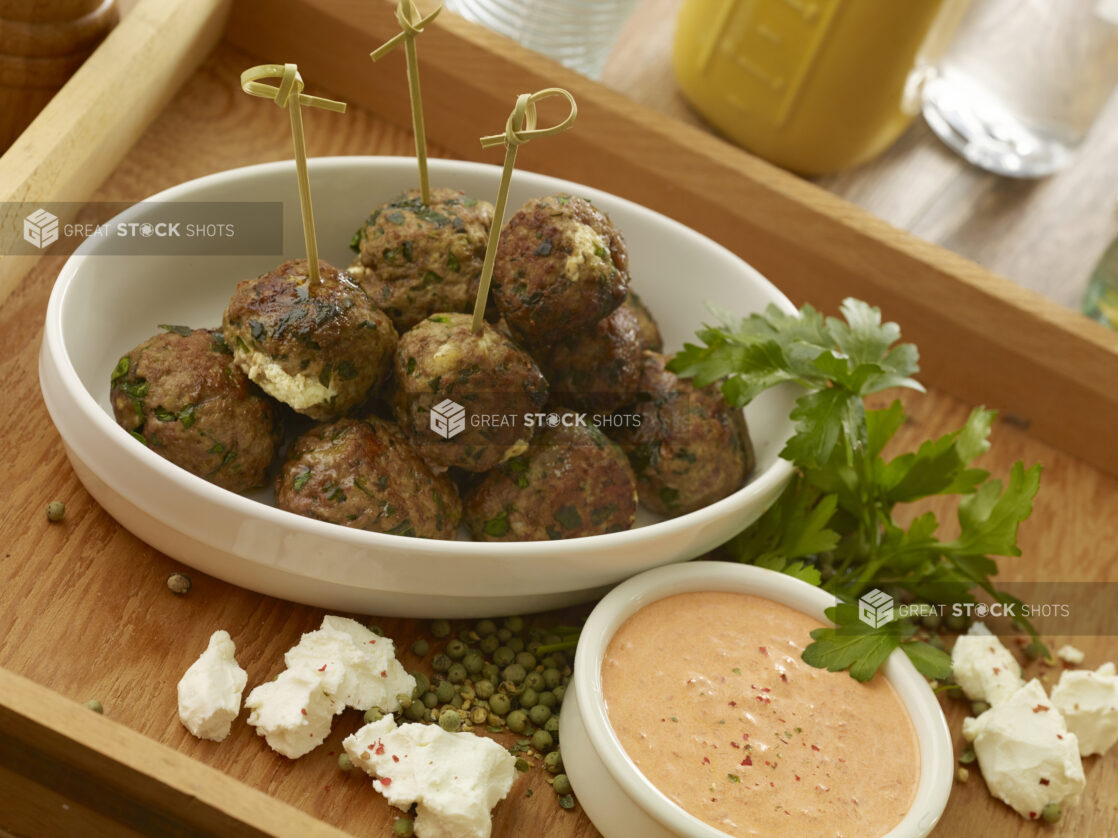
point(709, 697)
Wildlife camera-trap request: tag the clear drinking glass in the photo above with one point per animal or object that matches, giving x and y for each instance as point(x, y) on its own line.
point(577, 33)
point(1019, 87)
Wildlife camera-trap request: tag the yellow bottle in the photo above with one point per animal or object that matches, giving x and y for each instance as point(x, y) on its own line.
point(811, 85)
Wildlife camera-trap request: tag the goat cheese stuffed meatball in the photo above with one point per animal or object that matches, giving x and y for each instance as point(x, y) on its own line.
point(689, 448)
point(416, 259)
point(572, 482)
point(181, 394)
point(460, 397)
point(561, 266)
point(363, 473)
point(598, 369)
point(316, 346)
point(648, 332)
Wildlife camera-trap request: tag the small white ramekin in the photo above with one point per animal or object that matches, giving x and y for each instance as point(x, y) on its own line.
point(616, 796)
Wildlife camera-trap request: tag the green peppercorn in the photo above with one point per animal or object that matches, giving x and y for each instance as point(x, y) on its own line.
point(504, 635)
point(547, 699)
point(553, 762)
point(441, 663)
point(491, 672)
point(514, 673)
point(517, 720)
point(457, 673)
point(967, 756)
point(56, 511)
point(516, 644)
point(931, 621)
point(450, 720)
point(551, 638)
point(552, 725)
point(556, 660)
point(420, 648)
point(377, 630)
point(527, 660)
point(500, 704)
point(514, 624)
point(977, 708)
point(529, 698)
point(534, 680)
point(1051, 813)
point(403, 828)
point(483, 688)
point(542, 741)
point(503, 656)
point(935, 641)
point(956, 622)
point(422, 684)
point(478, 714)
point(473, 663)
point(95, 705)
point(489, 644)
point(373, 714)
point(552, 677)
point(456, 650)
point(566, 801)
point(467, 692)
point(440, 628)
point(561, 784)
point(445, 691)
point(179, 583)
point(344, 762)
point(416, 712)
point(430, 700)
point(539, 714)
point(456, 701)
point(484, 628)
point(559, 692)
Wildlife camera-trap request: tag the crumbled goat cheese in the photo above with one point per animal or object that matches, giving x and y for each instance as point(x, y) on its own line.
point(1069, 654)
point(1089, 703)
point(298, 391)
point(370, 674)
point(984, 668)
point(454, 778)
point(1027, 755)
point(294, 712)
point(210, 690)
point(585, 244)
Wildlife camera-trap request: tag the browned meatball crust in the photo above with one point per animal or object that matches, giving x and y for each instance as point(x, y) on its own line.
point(365, 474)
point(572, 482)
point(318, 347)
point(485, 376)
point(690, 448)
point(647, 330)
point(180, 393)
point(416, 259)
point(560, 268)
point(596, 370)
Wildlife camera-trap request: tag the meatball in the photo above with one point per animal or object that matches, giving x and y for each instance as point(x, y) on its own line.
point(365, 474)
point(318, 347)
point(572, 482)
point(416, 259)
point(182, 395)
point(561, 266)
point(647, 330)
point(460, 397)
point(596, 370)
point(687, 446)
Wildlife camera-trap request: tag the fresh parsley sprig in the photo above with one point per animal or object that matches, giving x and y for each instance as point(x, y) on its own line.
point(833, 525)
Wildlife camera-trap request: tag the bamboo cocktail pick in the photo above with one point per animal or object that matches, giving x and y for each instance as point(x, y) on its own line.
point(289, 94)
point(524, 116)
point(407, 15)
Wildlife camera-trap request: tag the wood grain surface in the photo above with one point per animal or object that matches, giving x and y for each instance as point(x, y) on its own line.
point(1044, 234)
point(83, 605)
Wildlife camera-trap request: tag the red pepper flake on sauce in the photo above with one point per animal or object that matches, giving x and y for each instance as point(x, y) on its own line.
point(384, 673)
point(706, 760)
point(395, 758)
point(303, 711)
point(763, 650)
point(1040, 708)
point(747, 761)
point(386, 781)
point(1044, 781)
point(323, 668)
point(815, 747)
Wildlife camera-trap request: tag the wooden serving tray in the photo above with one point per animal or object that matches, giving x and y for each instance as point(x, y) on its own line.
point(84, 611)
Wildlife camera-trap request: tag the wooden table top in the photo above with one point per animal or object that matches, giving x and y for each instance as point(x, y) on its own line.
point(1044, 234)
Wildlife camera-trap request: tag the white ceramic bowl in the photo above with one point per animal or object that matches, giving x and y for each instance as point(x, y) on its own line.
point(103, 305)
point(617, 797)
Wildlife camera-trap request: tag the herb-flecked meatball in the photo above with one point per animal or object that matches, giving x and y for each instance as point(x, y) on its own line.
point(648, 332)
point(571, 482)
point(560, 268)
point(460, 397)
point(416, 259)
point(365, 474)
point(596, 370)
point(689, 448)
point(316, 346)
point(181, 394)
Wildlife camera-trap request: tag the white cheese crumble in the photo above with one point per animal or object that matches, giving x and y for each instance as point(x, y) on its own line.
point(585, 244)
point(454, 778)
point(297, 391)
point(1089, 702)
point(370, 674)
point(984, 668)
point(294, 712)
point(210, 690)
point(1028, 756)
point(1069, 654)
